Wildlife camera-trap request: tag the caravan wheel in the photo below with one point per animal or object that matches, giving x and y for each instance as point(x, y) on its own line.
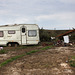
point(16, 44)
point(9, 45)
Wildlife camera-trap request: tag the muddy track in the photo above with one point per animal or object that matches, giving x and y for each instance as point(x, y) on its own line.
point(14, 51)
point(49, 62)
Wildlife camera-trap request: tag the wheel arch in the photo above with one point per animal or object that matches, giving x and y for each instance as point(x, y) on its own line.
point(12, 43)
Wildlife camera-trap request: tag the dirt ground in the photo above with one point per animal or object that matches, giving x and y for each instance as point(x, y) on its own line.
point(49, 62)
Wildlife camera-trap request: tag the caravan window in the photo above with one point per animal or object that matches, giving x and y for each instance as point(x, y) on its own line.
point(23, 30)
point(11, 32)
point(1, 33)
point(32, 33)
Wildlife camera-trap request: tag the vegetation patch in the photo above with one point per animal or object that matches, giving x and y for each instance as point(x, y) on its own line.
point(2, 51)
point(47, 47)
point(33, 51)
point(10, 60)
point(19, 56)
point(72, 61)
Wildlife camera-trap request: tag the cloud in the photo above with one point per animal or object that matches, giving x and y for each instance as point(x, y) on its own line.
point(57, 16)
point(43, 12)
point(20, 20)
point(3, 12)
point(60, 20)
point(68, 1)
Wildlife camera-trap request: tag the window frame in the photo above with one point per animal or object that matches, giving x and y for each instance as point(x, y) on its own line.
point(32, 35)
point(2, 34)
point(11, 33)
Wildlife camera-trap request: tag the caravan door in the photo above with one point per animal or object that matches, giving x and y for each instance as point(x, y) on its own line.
point(23, 35)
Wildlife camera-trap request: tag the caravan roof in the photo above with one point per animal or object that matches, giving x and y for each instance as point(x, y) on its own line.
point(15, 25)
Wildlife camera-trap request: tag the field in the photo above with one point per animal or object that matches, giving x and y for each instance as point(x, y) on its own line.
point(38, 60)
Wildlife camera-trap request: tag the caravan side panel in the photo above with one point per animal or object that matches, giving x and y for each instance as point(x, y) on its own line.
point(32, 34)
point(3, 40)
point(7, 34)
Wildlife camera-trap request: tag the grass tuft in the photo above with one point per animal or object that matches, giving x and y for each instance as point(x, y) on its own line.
point(47, 47)
point(10, 60)
point(72, 61)
point(2, 51)
point(33, 51)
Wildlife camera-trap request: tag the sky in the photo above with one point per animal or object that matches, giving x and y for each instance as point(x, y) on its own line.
point(48, 14)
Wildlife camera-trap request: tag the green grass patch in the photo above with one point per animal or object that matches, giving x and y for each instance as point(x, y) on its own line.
point(19, 56)
point(47, 47)
point(72, 61)
point(2, 51)
point(33, 51)
point(10, 60)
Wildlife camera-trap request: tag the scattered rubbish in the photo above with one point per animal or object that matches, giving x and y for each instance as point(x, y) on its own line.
point(66, 39)
point(1, 48)
point(64, 65)
point(66, 61)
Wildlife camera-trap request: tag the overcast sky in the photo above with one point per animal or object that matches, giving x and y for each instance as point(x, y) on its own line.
point(49, 14)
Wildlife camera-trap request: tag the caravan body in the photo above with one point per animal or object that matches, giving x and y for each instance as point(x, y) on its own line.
point(21, 34)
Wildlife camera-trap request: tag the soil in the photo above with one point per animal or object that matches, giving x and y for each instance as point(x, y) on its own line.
point(53, 61)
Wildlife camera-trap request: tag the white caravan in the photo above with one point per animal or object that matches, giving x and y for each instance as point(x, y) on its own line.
point(19, 34)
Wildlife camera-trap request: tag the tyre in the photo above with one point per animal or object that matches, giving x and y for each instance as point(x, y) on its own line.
point(9, 45)
point(16, 44)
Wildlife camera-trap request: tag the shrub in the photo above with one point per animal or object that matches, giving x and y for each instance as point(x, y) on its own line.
point(44, 36)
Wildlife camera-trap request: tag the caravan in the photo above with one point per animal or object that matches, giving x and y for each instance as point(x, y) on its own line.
point(19, 34)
